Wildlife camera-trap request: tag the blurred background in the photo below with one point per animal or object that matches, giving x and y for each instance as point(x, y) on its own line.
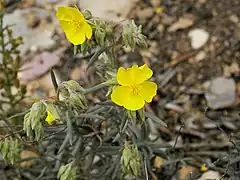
point(193, 49)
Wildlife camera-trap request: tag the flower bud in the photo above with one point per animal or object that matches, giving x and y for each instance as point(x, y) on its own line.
point(10, 150)
point(141, 114)
point(132, 115)
point(100, 36)
point(77, 101)
point(132, 36)
point(73, 86)
point(131, 162)
point(73, 93)
point(52, 112)
point(32, 121)
point(87, 14)
point(18, 41)
point(67, 172)
point(9, 32)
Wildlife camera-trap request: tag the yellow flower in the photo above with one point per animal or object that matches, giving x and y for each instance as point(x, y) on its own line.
point(50, 118)
point(159, 10)
point(203, 168)
point(74, 25)
point(134, 89)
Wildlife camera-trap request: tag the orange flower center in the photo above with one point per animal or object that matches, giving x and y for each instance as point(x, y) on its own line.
point(135, 89)
point(77, 23)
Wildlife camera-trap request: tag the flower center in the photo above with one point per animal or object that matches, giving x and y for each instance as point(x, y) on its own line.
point(77, 23)
point(134, 89)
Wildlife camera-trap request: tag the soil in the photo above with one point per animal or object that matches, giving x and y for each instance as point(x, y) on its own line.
point(197, 132)
point(205, 133)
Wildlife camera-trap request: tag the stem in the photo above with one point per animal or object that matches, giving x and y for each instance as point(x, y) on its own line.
point(7, 86)
point(96, 88)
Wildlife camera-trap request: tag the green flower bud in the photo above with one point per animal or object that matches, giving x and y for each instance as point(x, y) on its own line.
point(132, 115)
point(100, 35)
point(73, 86)
point(87, 14)
point(86, 47)
point(32, 121)
point(132, 36)
point(63, 93)
point(73, 94)
point(18, 41)
point(52, 112)
point(131, 162)
point(67, 172)
point(102, 32)
point(141, 114)
point(77, 101)
point(10, 150)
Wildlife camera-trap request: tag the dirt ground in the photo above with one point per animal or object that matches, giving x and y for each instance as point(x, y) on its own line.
point(206, 134)
point(201, 135)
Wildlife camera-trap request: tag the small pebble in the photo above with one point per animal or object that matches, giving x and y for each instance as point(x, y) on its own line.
point(145, 13)
point(155, 3)
point(199, 38)
point(200, 56)
point(221, 93)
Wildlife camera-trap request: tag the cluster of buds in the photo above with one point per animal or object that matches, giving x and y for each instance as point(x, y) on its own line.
point(132, 36)
point(67, 172)
point(10, 149)
point(103, 32)
point(131, 161)
point(39, 112)
point(72, 94)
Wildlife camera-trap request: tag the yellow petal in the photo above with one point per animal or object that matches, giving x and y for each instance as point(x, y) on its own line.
point(69, 14)
point(76, 38)
point(123, 96)
point(134, 75)
point(148, 90)
point(87, 29)
point(68, 27)
point(124, 76)
point(49, 118)
point(145, 72)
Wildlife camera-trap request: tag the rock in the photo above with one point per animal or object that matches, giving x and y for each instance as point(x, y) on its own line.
point(174, 107)
point(155, 3)
point(185, 172)
point(43, 2)
point(158, 162)
point(112, 10)
point(221, 93)
point(199, 38)
point(40, 37)
point(167, 20)
point(39, 65)
point(32, 20)
point(182, 23)
point(145, 13)
point(76, 73)
point(210, 175)
point(232, 69)
point(42, 87)
point(234, 18)
point(28, 154)
point(200, 56)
